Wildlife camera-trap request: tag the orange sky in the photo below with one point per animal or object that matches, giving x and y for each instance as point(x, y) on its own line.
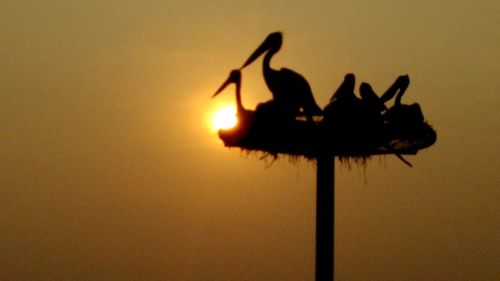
point(109, 170)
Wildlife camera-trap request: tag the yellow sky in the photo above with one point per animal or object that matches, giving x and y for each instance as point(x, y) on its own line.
point(109, 170)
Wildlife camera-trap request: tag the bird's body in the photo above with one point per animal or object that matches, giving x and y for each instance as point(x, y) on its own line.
point(290, 90)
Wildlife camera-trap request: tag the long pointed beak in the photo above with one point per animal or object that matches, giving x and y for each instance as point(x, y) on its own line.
point(221, 88)
point(257, 53)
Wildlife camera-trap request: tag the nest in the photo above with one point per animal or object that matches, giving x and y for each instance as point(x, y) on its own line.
point(347, 134)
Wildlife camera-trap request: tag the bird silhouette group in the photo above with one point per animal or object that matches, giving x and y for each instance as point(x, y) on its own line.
point(354, 124)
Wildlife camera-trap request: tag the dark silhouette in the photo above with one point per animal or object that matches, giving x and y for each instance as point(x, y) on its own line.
point(360, 125)
point(351, 127)
point(234, 77)
point(345, 93)
point(371, 100)
point(376, 106)
point(398, 87)
point(399, 114)
point(370, 105)
point(245, 117)
point(346, 89)
point(344, 105)
point(290, 90)
point(353, 121)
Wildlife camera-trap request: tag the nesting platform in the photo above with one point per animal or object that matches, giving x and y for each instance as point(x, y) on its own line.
point(344, 132)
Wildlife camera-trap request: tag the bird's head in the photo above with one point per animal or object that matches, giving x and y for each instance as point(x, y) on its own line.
point(234, 77)
point(273, 41)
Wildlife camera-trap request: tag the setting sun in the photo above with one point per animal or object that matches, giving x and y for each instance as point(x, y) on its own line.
point(224, 118)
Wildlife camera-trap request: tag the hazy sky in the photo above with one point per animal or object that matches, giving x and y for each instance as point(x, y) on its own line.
point(110, 171)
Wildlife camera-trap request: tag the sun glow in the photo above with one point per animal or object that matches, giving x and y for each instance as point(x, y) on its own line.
point(224, 118)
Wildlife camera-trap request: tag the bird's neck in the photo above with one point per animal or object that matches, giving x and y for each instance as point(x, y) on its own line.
point(239, 104)
point(266, 65)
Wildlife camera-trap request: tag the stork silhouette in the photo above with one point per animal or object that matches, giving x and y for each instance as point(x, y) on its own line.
point(369, 99)
point(290, 90)
point(397, 89)
point(234, 77)
point(243, 114)
point(398, 113)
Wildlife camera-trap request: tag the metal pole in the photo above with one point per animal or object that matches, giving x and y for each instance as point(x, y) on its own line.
point(325, 217)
